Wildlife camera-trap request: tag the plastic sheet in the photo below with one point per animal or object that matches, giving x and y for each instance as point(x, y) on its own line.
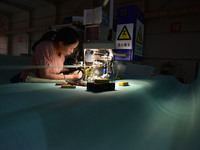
point(151, 113)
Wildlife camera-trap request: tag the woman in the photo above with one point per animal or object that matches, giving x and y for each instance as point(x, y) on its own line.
point(49, 53)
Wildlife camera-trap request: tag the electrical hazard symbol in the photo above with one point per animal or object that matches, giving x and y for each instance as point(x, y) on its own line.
point(139, 36)
point(124, 34)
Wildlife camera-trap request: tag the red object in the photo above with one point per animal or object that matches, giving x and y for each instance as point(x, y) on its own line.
point(77, 83)
point(176, 27)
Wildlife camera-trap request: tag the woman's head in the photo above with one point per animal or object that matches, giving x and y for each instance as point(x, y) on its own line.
point(67, 35)
point(67, 39)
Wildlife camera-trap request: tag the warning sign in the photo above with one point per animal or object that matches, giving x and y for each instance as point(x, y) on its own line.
point(139, 36)
point(124, 35)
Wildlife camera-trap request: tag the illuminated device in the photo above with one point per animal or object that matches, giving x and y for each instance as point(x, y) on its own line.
point(99, 66)
point(98, 51)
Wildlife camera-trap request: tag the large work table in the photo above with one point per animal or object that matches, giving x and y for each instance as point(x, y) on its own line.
point(152, 113)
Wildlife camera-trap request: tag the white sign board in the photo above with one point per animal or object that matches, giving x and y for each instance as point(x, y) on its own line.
point(124, 36)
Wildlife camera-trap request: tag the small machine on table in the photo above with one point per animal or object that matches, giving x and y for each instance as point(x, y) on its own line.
point(98, 49)
point(98, 66)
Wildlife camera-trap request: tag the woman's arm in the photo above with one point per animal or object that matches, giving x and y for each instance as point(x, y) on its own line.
point(65, 70)
point(46, 74)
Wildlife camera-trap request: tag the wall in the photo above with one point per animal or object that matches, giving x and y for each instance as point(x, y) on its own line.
point(175, 53)
point(20, 44)
point(3, 45)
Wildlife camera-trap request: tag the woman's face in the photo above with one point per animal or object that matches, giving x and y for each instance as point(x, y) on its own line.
point(67, 49)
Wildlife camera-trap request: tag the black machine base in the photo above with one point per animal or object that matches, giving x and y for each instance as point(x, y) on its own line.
point(100, 87)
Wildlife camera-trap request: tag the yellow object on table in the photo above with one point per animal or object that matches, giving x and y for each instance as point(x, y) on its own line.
point(150, 75)
point(101, 81)
point(68, 86)
point(118, 78)
point(123, 83)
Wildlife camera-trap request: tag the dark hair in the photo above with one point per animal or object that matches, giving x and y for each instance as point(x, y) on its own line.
point(67, 35)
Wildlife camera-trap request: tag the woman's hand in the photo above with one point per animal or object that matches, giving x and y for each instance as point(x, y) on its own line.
point(77, 74)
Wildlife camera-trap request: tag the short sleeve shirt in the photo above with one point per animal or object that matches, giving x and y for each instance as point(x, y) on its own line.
point(45, 55)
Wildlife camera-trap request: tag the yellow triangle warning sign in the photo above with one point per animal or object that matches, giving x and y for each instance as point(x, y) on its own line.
point(139, 36)
point(124, 35)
